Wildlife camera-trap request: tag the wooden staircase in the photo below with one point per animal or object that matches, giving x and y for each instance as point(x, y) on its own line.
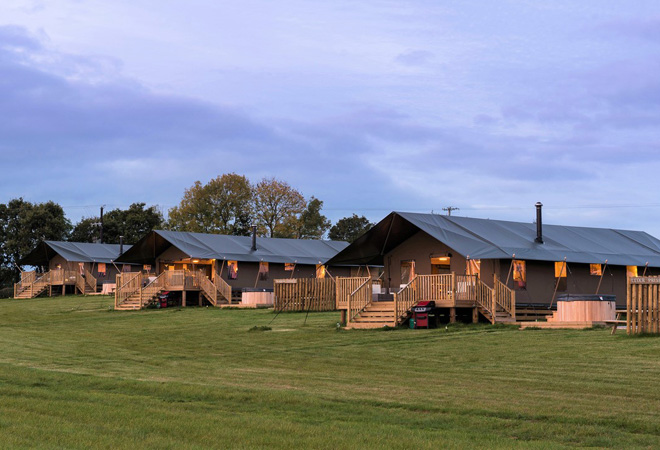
point(132, 295)
point(32, 288)
point(501, 315)
point(375, 315)
point(497, 304)
point(141, 298)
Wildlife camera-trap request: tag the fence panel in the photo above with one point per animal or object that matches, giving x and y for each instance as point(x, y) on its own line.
point(643, 305)
point(305, 294)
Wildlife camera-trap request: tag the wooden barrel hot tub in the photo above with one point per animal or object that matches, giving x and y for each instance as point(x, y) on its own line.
point(585, 308)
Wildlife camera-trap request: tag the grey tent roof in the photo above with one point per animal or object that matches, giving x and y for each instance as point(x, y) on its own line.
point(218, 246)
point(72, 251)
point(498, 239)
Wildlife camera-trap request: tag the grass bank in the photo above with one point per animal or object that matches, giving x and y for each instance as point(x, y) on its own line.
point(74, 373)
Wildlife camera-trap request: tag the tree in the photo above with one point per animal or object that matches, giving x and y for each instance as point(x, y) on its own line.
point(278, 208)
point(87, 230)
point(349, 228)
point(22, 226)
point(313, 224)
point(224, 205)
point(132, 223)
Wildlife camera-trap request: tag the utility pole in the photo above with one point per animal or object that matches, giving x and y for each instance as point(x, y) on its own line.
point(449, 209)
point(101, 233)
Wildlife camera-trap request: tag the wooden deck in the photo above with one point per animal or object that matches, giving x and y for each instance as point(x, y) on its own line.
point(138, 290)
point(34, 284)
point(355, 297)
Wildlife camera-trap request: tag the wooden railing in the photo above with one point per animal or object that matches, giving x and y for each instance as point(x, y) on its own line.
point(345, 286)
point(433, 287)
point(486, 299)
point(359, 299)
point(224, 288)
point(305, 294)
point(504, 297)
point(31, 282)
point(465, 287)
point(85, 281)
point(405, 299)
point(127, 285)
point(28, 277)
point(62, 276)
point(208, 288)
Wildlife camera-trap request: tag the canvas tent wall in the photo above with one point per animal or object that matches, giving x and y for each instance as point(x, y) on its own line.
point(402, 237)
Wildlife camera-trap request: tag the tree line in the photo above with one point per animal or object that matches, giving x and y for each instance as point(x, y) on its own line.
point(227, 204)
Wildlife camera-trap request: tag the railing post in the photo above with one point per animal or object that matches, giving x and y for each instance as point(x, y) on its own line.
point(454, 289)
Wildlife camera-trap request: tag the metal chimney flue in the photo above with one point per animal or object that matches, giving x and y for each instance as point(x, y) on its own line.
point(254, 238)
point(121, 244)
point(539, 223)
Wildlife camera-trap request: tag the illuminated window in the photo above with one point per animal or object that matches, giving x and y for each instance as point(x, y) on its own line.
point(320, 271)
point(560, 276)
point(519, 274)
point(632, 271)
point(595, 269)
point(289, 267)
point(439, 265)
point(232, 270)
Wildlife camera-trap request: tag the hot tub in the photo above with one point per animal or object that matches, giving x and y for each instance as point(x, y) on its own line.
point(257, 297)
point(585, 308)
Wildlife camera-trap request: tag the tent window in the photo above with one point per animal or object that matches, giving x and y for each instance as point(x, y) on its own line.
point(474, 267)
point(560, 276)
point(632, 271)
point(320, 271)
point(595, 269)
point(407, 271)
point(440, 265)
point(263, 271)
point(519, 274)
point(232, 270)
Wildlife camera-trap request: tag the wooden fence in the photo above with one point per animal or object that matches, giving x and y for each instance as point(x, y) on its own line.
point(305, 294)
point(643, 305)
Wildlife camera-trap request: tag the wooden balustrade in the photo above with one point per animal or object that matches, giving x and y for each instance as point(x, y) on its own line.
point(127, 285)
point(465, 287)
point(224, 288)
point(504, 297)
point(485, 298)
point(643, 305)
point(405, 299)
point(359, 299)
point(345, 286)
point(28, 277)
point(305, 294)
point(208, 288)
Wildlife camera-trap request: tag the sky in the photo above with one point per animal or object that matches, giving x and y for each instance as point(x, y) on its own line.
point(370, 106)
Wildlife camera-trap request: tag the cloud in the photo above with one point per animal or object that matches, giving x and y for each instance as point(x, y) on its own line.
point(414, 57)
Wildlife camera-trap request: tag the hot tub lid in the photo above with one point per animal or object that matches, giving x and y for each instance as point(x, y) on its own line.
point(586, 298)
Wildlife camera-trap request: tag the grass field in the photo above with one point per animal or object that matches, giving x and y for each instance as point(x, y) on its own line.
point(75, 374)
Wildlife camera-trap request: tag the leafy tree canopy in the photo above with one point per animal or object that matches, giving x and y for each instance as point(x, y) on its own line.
point(278, 208)
point(313, 224)
point(349, 228)
point(224, 205)
point(132, 223)
point(22, 226)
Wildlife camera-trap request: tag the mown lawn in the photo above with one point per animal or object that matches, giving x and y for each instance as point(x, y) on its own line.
point(75, 374)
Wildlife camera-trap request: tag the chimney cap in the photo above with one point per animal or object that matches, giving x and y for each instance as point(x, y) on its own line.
point(538, 204)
